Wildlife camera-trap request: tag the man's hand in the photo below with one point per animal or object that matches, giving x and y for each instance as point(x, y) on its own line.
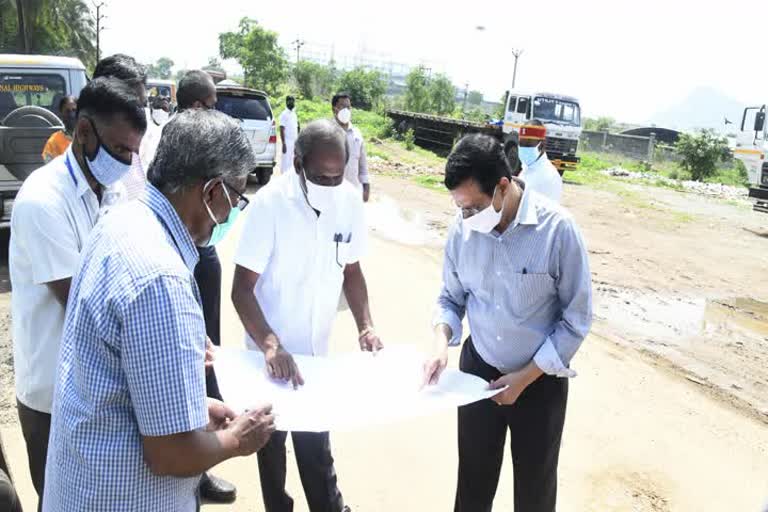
point(369, 341)
point(219, 415)
point(285, 149)
point(281, 366)
point(209, 357)
point(517, 382)
point(366, 192)
point(434, 367)
point(252, 429)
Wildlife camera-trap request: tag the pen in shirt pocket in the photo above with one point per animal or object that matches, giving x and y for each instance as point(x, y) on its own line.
point(525, 270)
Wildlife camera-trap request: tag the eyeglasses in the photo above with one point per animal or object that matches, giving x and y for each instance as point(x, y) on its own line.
point(242, 201)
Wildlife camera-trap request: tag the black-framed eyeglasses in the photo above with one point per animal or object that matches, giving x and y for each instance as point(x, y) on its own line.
point(242, 201)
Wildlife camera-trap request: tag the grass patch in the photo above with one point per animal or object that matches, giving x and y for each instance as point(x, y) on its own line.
point(430, 181)
point(371, 124)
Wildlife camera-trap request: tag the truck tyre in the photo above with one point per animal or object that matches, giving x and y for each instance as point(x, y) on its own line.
point(32, 117)
point(265, 174)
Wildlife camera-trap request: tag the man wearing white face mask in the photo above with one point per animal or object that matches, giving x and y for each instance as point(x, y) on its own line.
point(301, 245)
point(54, 213)
point(356, 170)
point(538, 172)
point(516, 265)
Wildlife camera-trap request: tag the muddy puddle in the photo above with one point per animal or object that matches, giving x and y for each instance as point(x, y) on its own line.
point(388, 220)
point(675, 319)
point(721, 343)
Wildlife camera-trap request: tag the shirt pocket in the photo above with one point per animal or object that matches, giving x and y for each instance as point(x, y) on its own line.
point(531, 292)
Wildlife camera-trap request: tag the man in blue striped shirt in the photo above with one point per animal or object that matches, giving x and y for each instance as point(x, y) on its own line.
point(132, 428)
point(516, 265)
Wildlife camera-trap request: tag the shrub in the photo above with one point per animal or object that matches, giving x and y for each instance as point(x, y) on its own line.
point(701, 153)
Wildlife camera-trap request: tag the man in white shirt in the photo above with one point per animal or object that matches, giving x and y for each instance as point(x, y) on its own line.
point(302, 242)
point(356, 170)
point(53, 215)
point(289, 130)
point(538, 172)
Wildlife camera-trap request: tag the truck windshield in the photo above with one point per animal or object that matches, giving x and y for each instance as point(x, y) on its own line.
point(20, 90)
point(244, 107)
point(557, 111)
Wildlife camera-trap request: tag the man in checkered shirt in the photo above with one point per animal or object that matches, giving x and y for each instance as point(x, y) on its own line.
point(132, 428)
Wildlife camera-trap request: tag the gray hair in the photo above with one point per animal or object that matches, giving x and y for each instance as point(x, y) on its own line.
point(320, 133)
point(198, 145)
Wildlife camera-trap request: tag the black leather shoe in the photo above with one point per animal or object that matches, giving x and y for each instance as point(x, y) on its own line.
point(216, 490)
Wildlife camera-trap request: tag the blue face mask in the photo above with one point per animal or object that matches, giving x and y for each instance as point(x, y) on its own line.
point(220, 230)
point(528, 155)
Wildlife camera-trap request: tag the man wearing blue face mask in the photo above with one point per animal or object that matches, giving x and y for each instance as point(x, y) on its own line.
point(300, 249)
point(539, 174)
point(55, 211)
point(516, 266)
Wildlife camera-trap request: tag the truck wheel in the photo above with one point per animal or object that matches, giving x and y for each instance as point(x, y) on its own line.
point(265, 174)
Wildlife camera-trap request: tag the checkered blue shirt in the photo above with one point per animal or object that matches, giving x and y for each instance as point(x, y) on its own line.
point(131, 364)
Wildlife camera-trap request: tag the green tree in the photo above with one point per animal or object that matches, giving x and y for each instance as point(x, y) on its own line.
point(417, 91)
point(475, 98)
point(312, 79)
point(601, 124)
point(214, 64)
point(256, 49)
point(161, 69)
point(442, 95)
point(365, 87)
point(53, 27)
point(701, 153)
point(501, 109)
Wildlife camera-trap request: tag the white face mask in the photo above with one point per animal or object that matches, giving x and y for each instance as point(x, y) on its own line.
point(320, 198)
point(485, 220)
point(344, 116)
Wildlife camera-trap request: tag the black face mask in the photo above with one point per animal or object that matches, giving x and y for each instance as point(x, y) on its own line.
point(290, 106)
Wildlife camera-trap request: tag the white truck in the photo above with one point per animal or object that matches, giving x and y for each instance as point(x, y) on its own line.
point(752, 149)
point(560, 114)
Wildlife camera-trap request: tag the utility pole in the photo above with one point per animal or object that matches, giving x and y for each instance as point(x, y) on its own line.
point(466, 92)
point(297, 44)
point(99, 28)
point(517, 53)
point(23, 39)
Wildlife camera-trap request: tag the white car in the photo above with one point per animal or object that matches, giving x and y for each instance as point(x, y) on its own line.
point(252, 109)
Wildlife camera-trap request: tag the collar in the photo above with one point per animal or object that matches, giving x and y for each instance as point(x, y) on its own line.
point(170, 219)
point(526, 211)
point(292, 186)
point(76, 173)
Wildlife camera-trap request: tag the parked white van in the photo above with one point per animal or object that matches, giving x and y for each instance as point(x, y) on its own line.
point(252, 109)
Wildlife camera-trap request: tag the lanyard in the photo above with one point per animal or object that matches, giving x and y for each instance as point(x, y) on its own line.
point(74, 179)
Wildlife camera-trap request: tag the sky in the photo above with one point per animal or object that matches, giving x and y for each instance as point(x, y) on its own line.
point(626, 60)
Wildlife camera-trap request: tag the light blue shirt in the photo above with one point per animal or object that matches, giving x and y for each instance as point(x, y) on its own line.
point(131, 364)
point(527, 292)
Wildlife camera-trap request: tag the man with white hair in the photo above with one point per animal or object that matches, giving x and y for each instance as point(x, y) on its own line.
point(301, 246)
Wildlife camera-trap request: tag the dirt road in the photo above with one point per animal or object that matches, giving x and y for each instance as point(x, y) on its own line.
point(665, 414)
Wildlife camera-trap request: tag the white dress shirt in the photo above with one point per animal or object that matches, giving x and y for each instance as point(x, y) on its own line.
point(356, 171)
point(290, 123)
point(54, 213)
point(542, 177)
point(301, 267)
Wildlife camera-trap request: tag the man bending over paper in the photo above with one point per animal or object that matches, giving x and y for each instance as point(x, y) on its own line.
point(301, 246)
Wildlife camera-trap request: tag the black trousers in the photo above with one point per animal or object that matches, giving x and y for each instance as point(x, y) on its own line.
point(208, 277)
point(535, 424)
point(315, 462)
point(36, 427)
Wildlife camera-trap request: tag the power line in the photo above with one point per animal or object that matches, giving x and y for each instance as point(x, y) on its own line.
point(297, 44)
point(99, 27)
point(517, 53)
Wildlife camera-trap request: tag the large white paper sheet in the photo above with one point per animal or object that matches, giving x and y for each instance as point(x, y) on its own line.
point(344, 392)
